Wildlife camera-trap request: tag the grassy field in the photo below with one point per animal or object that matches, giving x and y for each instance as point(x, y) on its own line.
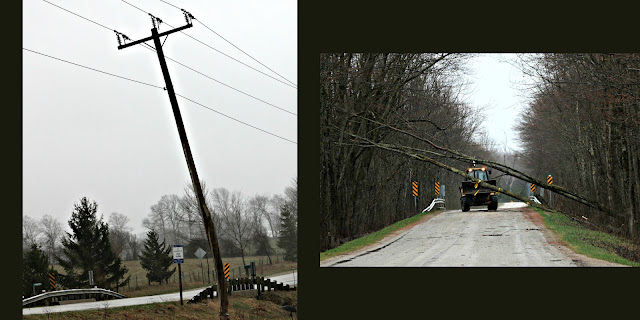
point(589, 242)
point(240, 308)
point(371, 238)
point(193, 276)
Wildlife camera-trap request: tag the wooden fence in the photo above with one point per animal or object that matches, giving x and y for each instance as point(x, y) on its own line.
point(260, 284)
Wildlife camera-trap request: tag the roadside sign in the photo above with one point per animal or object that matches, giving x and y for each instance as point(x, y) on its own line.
point(178, 253)
point(52, 280)
point(550, 179)
point(226, 270)
point(533, 187)
point(200, 253)
point(437, 186)
point(37, 284)
point(414, 186)
point(442, 191)
point(90, 277)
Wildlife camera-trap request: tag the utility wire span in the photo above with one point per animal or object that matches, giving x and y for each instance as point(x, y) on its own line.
point(222, 53)
point(222, 83)
point(104, 72)
point(229, 42)
point(234, 119)
point(151, 48)
point(159, 87)
point(55, 5)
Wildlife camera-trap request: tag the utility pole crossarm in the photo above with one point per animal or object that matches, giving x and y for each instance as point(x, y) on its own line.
point(166, 33)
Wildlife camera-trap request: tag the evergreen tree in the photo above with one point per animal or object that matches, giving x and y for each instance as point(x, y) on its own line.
point(88, 248)
point(156, 260)
point(35, 269)
point(288, 237)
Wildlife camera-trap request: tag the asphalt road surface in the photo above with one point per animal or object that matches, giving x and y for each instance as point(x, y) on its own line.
point(186, 296)
point(509, 237)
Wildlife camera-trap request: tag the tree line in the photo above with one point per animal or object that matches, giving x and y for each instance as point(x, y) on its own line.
point(582, 127)
point(98, 246)
point(369, 99)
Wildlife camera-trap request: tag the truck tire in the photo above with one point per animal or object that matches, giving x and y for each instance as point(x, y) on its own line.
point(465, 205)
point(494, 204)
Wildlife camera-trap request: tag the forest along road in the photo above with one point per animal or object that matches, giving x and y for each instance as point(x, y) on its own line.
point(512, 236)
point(186, 296)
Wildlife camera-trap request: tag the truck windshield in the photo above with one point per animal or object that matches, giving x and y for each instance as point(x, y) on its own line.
point(479, 174)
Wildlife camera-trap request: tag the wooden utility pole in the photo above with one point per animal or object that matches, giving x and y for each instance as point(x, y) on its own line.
point(204, 211)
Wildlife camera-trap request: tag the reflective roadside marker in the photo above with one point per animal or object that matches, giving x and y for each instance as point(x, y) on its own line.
point(226, 270)
point(533, 187)
point(549, 179)
point(437, 185)
point(414, 185)
point(52, 280)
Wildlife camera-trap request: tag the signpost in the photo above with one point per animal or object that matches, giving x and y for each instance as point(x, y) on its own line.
point(200, 254)
point(178, 257)
point(34, 287)
point(90, 277)
point(550, 181)
point(414, 186)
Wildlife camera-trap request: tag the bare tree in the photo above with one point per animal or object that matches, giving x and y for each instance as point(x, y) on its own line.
point(31, 232)
point(51, 232)
point(238, 223)
point(258, 208)
point(133, 246)
point(118, 232)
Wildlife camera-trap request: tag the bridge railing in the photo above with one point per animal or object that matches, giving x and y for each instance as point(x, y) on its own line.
point(242, 284)
point(433, 203)
point(71, 292)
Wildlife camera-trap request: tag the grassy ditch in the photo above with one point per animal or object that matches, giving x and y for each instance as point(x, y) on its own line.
point(372, 237)
point(591, 243)
point(268, 307)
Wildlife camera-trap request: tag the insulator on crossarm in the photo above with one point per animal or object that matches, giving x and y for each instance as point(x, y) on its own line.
point(118, 37)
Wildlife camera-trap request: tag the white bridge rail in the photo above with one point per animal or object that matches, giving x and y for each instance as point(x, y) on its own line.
point(72, 292)
point(433, 203)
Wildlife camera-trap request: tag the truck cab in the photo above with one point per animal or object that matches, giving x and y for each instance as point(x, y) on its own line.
point(472, 194)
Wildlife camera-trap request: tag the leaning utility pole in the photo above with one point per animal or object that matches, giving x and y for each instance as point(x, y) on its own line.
point(204, 211)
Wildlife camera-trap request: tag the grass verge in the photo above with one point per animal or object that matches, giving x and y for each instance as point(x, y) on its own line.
point(268, 307)
point(591, 243)
point(372, 237)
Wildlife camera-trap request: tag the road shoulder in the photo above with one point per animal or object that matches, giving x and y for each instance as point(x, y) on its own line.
point(579, 259)
point(389, 239)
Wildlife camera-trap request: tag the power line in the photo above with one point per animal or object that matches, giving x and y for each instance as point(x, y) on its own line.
point(234, 119)
point(159, 87)
point(78, 15)
point(229, 42)
point(151, 48)
point(224, 84)
point(222, 53)
point(104, 72)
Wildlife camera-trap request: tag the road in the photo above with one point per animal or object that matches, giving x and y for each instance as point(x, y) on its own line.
point(512, 236)
point(287, 278)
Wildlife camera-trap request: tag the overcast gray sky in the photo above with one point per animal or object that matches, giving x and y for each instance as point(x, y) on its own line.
point(115, 141)
point(495, 89)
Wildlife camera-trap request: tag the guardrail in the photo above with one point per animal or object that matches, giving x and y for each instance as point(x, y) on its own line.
point(243, 284)
point(64, 295)
point(433, 203)
point(533, 198)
